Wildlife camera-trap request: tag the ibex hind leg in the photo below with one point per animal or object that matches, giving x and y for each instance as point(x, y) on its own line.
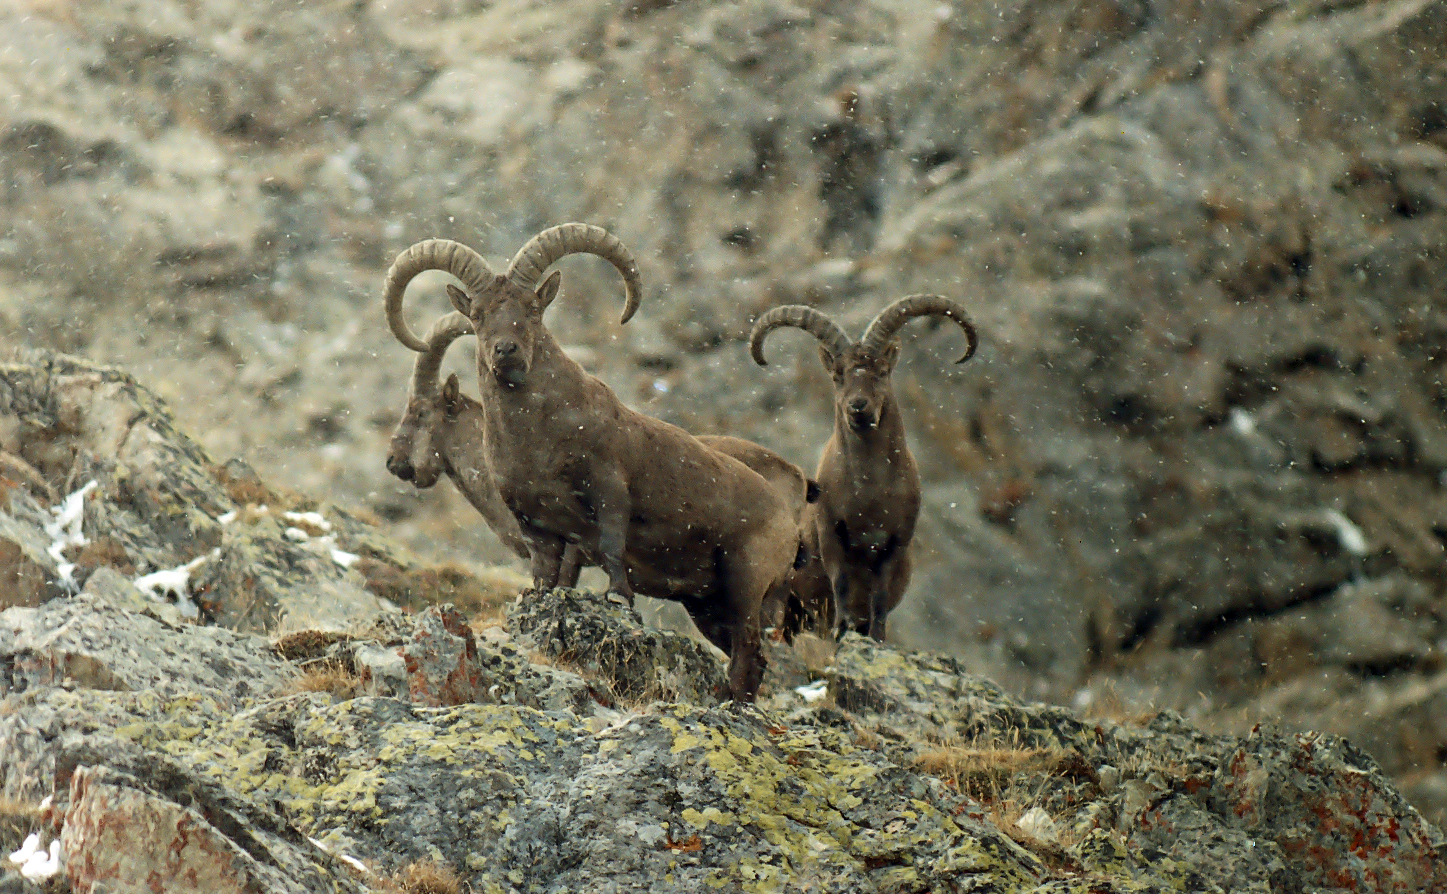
point(888, 591)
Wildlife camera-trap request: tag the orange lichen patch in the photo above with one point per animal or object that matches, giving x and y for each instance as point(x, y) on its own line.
point(689, 845)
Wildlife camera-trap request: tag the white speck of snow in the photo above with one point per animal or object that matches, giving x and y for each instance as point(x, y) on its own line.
point(1242, 423)
point(65, 531)
point(1351, 537)
point(354, 863)
point(227, 518)
point(314, 519)
point(814, 691)
point(46, 801)
point(175, 583)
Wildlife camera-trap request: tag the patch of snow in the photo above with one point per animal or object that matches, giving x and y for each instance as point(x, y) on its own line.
point(1039, 825)
point(814, 691)
point(314, 519)
point(65, 531)
point(37, 864)
point(227, 518)
point(296, 534)
point(28, 849)
point(344, 558)
point(175, 583)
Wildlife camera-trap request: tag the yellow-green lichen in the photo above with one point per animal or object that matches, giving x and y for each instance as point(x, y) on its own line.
point(797, 795)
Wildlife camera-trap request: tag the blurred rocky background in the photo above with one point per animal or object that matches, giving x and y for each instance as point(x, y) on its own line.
point(1199, 463)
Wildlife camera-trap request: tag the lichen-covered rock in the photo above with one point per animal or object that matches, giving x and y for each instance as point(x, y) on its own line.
point(154, 827)
point(251, 582)
point(159, 504)
point(605, 641)
point(91, 642)
point(29, 575)
point(1326, 805)
point(433, 659)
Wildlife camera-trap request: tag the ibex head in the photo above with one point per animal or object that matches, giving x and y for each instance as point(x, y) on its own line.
point(506, 309)
point(860, 370)
point(414, 454)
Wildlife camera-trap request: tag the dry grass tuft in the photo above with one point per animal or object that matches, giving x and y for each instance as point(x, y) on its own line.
point(330, 676)
point(1108, 704)
point(483, 593)
point(16, 821)
point(983, 773)
point(816, 652)
point(428, 877)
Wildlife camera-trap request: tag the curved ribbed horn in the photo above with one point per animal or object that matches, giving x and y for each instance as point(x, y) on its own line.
point(431, 254)
point(884, 326)
point(548, 247)
point(425, 369)
point(807, 318)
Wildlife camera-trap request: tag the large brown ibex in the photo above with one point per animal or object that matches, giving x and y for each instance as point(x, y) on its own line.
point(865, 517)
point(574, 465)
point(443, 432)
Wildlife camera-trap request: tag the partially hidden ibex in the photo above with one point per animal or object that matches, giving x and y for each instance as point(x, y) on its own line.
point(574, 465)
point(443, 432)
point(870, 491)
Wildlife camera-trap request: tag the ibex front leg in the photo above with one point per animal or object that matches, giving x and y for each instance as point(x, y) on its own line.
point(613, 508)
point(545, 551)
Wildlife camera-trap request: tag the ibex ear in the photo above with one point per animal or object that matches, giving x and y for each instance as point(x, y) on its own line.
point(459, 300)
point(830, 362)
point(450, 393)
point(890, 353)
point(549, 290)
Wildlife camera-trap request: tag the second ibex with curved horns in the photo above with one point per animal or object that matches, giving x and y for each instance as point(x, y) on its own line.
point(869, 486)
point(576, 466)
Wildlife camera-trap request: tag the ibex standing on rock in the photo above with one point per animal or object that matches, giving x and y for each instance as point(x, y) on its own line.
point(444, 432)
point(576, 466)
point(870, 491)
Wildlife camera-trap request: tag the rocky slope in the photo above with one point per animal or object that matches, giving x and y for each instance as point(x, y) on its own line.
point(558, 744)
point(1199, 462)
